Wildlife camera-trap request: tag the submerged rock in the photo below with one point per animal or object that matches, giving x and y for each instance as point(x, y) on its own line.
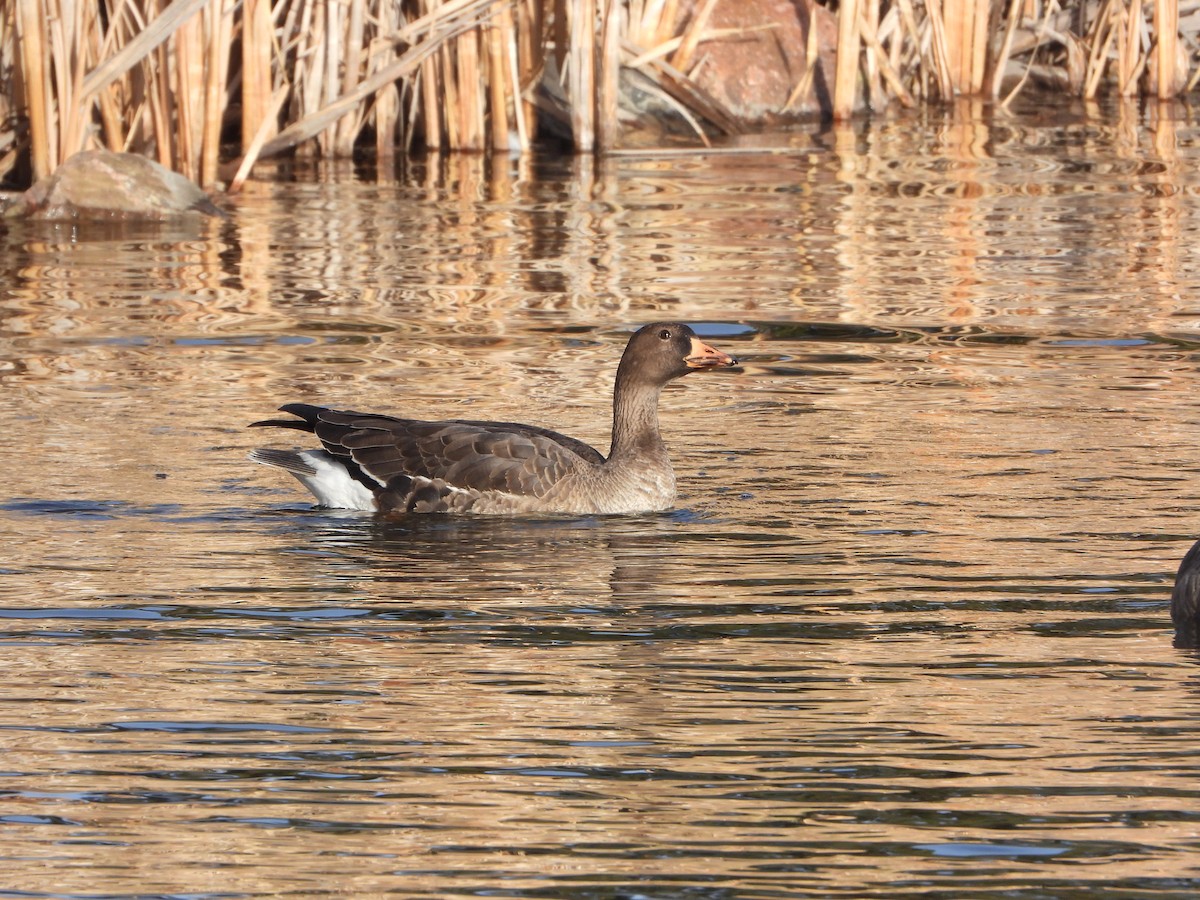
point(102, 185)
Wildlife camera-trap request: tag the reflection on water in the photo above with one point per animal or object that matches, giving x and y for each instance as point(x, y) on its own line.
point(906, 635)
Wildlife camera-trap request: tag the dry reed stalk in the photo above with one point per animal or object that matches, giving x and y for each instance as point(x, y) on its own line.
point(73, 129)
point(335, 52)
point(634, 11)
point(908, 23)
point(8, 64)
point(387, 122)
point(289, 32)
point(219, 30)
point(477, 72)
point(1109, 25)
point(126, 99)
point(188, 72)
point(451, 120)
point(636, 19)
point(1166, 27)
point(442, 26)
point(682, 60)
point(155, 32)
point(443, 20)
point(112, 118)
point(1011, 21)
point(663, 50)
point(430, 91)
point(530, 59)
point(942, 36)
point(161, 107)
point(497, 86)
point(473, 100)
point(666, 48)
point(414, 112)
point(189, 95)
point(199, 87)
point(979, 48)
point(686, 95)
point(256, 92)
point(460, 68)
point(1098, 42)
point(256, 142)
point(608, 126)
point(310, 66)
point(891, 35)
point(430, 106)
point(147, 90)
point(352, 64)
point(845, 80)
point(811, 51)
point(1129, 50)
point(329, 75)
point(664, 82)
point(941, 55)
point(1043, 26)
point(32, 42)
point(389, 100)
point(869, 23)
point(581, 72)
point(561, 37)
point(666, 17)
point(57, 35)
point(868, 35)
point(959, 19)
point(510, 40)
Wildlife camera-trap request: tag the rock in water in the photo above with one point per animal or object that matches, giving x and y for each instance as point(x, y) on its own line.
point(102, 185)
point(753, 70)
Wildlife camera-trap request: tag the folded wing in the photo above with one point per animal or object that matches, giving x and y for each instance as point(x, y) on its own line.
point(475, 457)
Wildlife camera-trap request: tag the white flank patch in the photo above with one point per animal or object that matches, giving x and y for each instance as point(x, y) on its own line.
point(332, 484)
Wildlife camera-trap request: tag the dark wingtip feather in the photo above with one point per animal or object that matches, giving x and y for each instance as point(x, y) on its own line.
point(307, 413)
point(288, 460)
point(303, 410)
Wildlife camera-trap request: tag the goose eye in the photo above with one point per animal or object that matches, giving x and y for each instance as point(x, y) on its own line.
point(665, 334)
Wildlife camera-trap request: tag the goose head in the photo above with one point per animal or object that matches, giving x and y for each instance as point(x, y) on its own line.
point(663, 351)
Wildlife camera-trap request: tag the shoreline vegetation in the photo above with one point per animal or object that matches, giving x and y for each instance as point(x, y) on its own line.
point(207, 87)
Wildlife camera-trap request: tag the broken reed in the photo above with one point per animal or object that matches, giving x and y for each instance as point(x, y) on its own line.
point(178, 79)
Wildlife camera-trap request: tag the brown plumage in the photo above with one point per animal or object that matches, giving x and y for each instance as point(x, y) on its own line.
point(397, 466)
point(1185, 600)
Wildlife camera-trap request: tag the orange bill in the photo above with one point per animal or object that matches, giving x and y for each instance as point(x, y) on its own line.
point(703, 356)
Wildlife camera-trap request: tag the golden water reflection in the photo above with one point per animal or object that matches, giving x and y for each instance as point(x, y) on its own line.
point(906, 633)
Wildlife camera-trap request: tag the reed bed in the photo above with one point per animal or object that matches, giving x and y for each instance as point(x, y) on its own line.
point(198, 83)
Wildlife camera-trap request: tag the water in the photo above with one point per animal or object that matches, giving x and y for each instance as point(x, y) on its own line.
point(906, 634)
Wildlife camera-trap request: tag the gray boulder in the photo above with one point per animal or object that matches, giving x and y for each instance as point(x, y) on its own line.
point(100, 185)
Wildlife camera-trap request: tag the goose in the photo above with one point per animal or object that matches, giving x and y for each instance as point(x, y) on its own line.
point(395, 466)
point(1185, 600)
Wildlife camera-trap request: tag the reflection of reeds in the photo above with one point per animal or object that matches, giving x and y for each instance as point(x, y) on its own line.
point(180, 79)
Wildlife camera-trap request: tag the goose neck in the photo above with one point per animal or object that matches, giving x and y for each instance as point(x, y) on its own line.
point(635, 419)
